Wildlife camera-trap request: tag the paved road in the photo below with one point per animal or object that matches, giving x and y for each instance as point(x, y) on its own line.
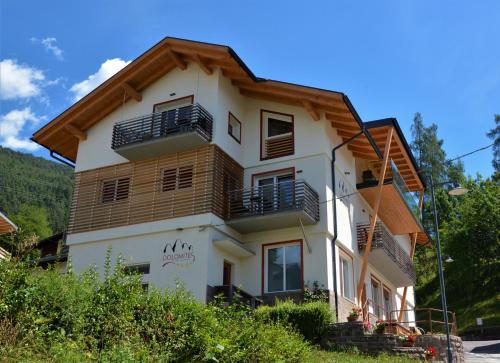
point(482, 351)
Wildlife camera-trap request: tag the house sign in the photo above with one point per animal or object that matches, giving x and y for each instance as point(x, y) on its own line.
point(178, 253)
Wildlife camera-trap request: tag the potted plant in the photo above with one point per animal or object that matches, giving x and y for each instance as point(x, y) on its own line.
point(380, 327)
point(354, 314)
point(407, 340)
point(430, 353)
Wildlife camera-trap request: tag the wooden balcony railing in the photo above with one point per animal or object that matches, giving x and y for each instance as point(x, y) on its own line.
point(286, 196)
point(192, 118)
point(382, 239)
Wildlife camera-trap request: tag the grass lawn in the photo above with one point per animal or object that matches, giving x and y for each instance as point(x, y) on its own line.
point(328, 357)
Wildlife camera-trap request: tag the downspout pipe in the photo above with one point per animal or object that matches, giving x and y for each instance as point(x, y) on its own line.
point(334, 199)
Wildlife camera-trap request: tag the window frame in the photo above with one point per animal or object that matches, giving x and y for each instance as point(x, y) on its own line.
point(262, 138)
point(376, 308)
point(163, 103)
point(229, 116)
point(115, 182)
point(387, 289)
point(265, 248)
point(344, 255)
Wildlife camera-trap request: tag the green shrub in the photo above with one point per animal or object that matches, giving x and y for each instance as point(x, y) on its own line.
point(45, 316)
point(309, 319)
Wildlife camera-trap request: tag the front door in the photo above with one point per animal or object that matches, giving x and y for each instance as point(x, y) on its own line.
point(226, 277)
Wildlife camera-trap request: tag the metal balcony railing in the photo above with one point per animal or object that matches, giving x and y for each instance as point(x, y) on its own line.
point(286, 196)
point(384, 240)
point(192, 118)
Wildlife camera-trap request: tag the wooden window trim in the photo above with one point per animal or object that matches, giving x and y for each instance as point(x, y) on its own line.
point(190, 97)
point(344, 253)
point(230, 114)
point(262, 111)
point(380, 285)
point(265, 246)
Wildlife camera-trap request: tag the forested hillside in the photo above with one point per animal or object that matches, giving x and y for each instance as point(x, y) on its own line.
point(29, 180)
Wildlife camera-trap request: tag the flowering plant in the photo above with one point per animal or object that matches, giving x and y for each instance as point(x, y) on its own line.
point(380, 326)
point(430, 352)
point(354, 314)
point(367, 326)
point(410, 339)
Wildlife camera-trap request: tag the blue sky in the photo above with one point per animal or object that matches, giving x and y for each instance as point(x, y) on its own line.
point(392, 58)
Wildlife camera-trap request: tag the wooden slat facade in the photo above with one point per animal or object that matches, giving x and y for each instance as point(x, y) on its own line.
point(213, 172)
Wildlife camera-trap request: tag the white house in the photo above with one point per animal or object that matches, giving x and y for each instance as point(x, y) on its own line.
point(194, 169)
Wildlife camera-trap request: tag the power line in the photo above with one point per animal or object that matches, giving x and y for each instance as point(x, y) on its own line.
point(472, 152)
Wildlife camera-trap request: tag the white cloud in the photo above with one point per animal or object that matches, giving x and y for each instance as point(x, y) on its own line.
point(50, 45)
point(106, 70)
point(18, 80)
point(11, 125)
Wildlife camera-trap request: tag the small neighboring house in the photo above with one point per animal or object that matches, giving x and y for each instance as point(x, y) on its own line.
point(6, 226)
point(53, 251)
point(195, 169)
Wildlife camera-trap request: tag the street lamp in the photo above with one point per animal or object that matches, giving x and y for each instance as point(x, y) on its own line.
point(456, 190)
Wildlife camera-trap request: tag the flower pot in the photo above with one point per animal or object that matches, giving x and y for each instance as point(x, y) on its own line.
point(352, 318)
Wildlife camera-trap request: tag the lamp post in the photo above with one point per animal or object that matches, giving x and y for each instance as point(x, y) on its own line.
point(457, 190)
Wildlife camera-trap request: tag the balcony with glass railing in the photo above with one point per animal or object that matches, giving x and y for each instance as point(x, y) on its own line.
point(398, 206)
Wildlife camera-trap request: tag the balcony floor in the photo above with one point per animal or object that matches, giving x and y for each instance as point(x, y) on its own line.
point(162, 146)
point(393, 210)
point(266, 222)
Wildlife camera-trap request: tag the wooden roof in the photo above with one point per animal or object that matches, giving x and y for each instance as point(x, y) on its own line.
point(400, 152)
point(6, 225)
point(63, 133)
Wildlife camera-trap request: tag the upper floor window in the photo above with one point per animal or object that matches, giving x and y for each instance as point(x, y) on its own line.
point(173, 105)
point(234, 127)
point(277, 135)
point(283, 267)
point(116, 189)
point(177, 178)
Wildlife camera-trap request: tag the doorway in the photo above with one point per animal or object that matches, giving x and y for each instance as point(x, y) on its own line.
point(227, 274)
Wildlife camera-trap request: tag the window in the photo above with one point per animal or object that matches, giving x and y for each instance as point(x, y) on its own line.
point(141, 269)
point(177, 178)
point(283, 267)
point(276, 134)
point(376, 297)
point(346, 276)
point(387, 303)
point(274, 192)
point(234, 127)
point(173, 104)
point(116, 189)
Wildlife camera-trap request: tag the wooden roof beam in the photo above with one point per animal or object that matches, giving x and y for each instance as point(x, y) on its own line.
point(176, 58)
point(315, 115)
point(203, 65)
point(76, 132)
point(132, 92)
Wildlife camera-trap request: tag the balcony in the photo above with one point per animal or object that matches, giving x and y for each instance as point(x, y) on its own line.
point(387, 255)
point(275, 206)
point(398, 207)
point(161, 133)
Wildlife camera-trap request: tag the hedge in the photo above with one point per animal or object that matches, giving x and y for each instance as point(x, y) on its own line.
point(309, 319)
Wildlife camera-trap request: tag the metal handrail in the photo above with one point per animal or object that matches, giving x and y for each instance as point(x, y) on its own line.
point(408, 196)
point(384, 240)
point(192, 118)
point(274, 198)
